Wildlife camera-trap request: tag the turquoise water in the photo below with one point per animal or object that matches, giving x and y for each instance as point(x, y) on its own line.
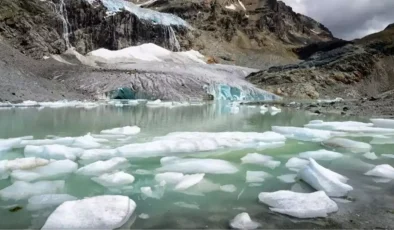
point(211, 207)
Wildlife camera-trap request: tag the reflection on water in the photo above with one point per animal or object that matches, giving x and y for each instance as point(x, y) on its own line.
point(178, 209)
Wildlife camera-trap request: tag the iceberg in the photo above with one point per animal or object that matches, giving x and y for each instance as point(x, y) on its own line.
point(304, 134)
point(243, 221)
point(187, 142)
point(320, 178)
point(353, 146)
point(127, 130)
point(256, 176)
point(49, 171)
point(259, 159)
point(195, 165)
point(100, 212)
point(321, 154)
point(296, 164)
point(385, 171)
point(101, 167)
point(300, 205)
point(114, 179)
point(47, 201)
point(20, 190)
point(384, 123)
point(56, 152)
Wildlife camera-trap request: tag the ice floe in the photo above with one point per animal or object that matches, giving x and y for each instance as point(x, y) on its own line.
point(382, 140)
point(296, 164)
point(384, 123)
point(101, 167)
point(47, 201)
point(300, 205)
point(370, 155)
point(259, 159)
point(100, 212)
point(195, 165)
point(230, 188)
point(56, 152)
point(321, 178)
point(321, 154)
point(336, 125)
point(20, 190)
point(116, 179)
point(243, 221)
point(287, 178)
point(49, 171)
point(256, 176)
point(304, 134)
point(353, 146)
point(385, 171)
point(127, 130)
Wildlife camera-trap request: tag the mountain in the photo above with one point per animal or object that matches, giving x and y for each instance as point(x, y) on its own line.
point(360, 68)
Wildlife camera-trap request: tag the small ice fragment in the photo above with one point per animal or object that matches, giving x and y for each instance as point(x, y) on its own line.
point(190, 165)
point(187, 205)
point(114, 179)
point(370, 155)
point(142, 172)
point(98, 154)
point(47, 201)
point(341, 200)
point(169, 177)
point(321, 154)
point(243, 221)
point(300, 205)
point(288, 178)
point(296, 164)
point(274, 109)
point(20, 190)
point(388, 155)
point(127, 130)
point(143, 216)
point(385, 171)
point(304, 134)
point(148, 192)
point(230, 188)
point(188, 181)
point(101, 167)
point(256, 176)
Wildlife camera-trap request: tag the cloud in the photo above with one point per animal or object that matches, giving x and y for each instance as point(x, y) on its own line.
point(348, 19)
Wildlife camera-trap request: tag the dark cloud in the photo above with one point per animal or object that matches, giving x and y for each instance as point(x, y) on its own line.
point(348, 19)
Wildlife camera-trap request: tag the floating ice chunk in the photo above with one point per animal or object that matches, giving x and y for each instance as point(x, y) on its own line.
point(194, 165)
point(382, 140)
point(143, 216)
point(101, 167)
point(385, 171)
point(7, 144)
point(353, 146)
point(300, 205)
point(256, 176)
point(127, 130)
point(100, 212)
point(189, 181)
point(263, 108)
point(49, 171)
point(321, 154)
point(385, 123)
point(324, 179)
point(142, 172)
point(114, 179)
point(56, 152)
point(340, 200)
point(4, 172)
point(388, 155)
point(25, 163)
point(370, 155)
point(87, 142)
point(187, 205)
point(242, 221)
point(148, 192)
point(336, 125)
point(98, 154)
point(47, 201)
point(274, 109)
point(59, 141)
point(288, 178)
point(304, 134)
point(234, 109)
point(259, 159)
point(169, 177)
point(228, 188)
point(296, 164)
point(20, 190)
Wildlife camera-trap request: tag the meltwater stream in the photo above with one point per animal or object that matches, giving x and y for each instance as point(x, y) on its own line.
point(216, 138)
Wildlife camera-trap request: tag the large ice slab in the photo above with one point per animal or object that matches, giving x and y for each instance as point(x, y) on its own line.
point(384, 123)
point(56, 152)
point(304, 134)
point(186, 142)
point(20, 190)
point(127, 130)
point(114, 179)
point(101, 167)
point(385, 171)
point(321, 154)
point(300, 205)
point(47, 201)
point(49, 171)
point(259, 159)
point(100, 212)
point(243, 221)
point(320, 178)
point(353, 146)
point(195, 165)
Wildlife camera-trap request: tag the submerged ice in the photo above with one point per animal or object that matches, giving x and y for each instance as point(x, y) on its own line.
point(194, 165)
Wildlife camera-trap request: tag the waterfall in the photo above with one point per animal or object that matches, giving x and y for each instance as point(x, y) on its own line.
point(173, 42)
point(61, 11)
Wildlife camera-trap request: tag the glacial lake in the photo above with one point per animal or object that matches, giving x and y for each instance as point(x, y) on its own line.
point(209, 204)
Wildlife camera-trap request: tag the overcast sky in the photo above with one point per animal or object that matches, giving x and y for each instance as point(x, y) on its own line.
point(348, 19)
